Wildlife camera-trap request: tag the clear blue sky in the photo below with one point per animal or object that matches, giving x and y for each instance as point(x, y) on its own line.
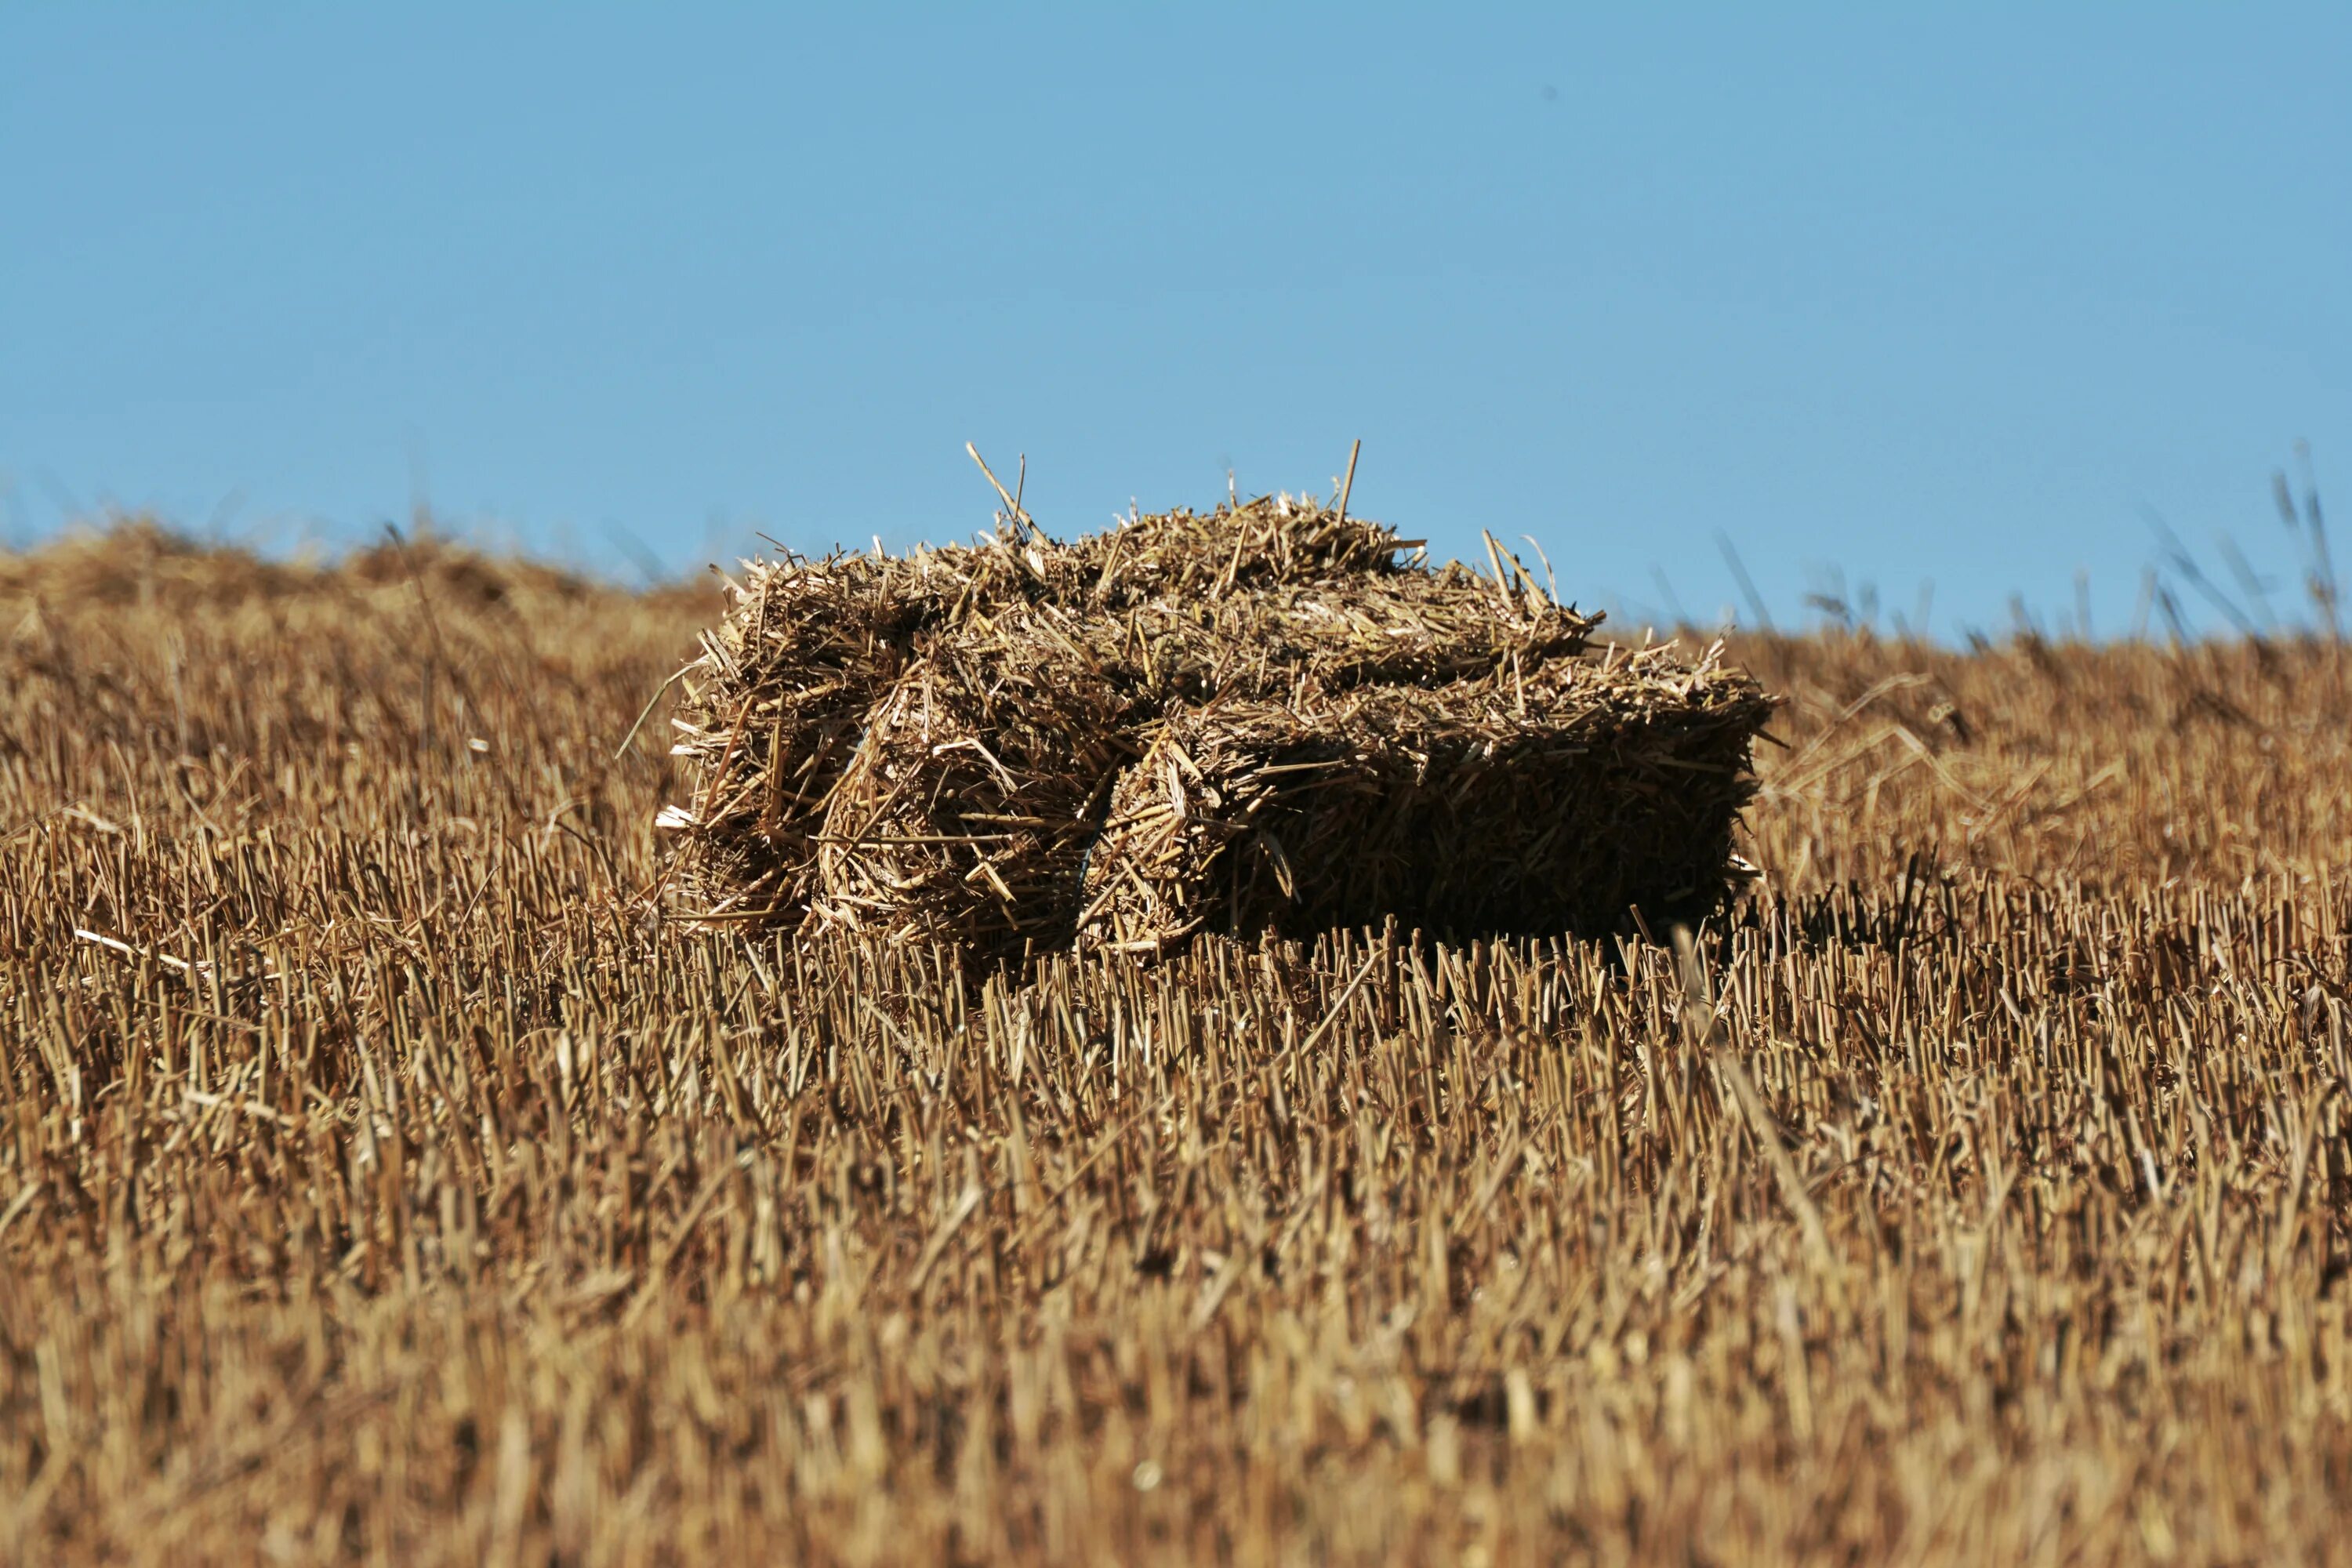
point(1954, 297)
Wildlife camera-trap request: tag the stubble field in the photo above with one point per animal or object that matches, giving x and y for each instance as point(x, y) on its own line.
point(383, 1180)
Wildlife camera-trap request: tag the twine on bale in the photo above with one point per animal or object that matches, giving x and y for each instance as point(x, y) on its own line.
point(1271, 716)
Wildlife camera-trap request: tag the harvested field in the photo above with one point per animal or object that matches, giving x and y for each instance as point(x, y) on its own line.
point(383, 1180)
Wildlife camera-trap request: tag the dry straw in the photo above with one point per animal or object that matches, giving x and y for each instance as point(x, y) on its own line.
point(1270, 716)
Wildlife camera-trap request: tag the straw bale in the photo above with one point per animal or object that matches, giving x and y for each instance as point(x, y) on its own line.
point(784, 688)
point(966, 809)
point(1493, 807)
point(929, 747)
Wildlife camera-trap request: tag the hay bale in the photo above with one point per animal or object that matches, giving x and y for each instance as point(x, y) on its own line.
point(776, 711)
point(1489, 807)
point(951, 745)
point(964, 815)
